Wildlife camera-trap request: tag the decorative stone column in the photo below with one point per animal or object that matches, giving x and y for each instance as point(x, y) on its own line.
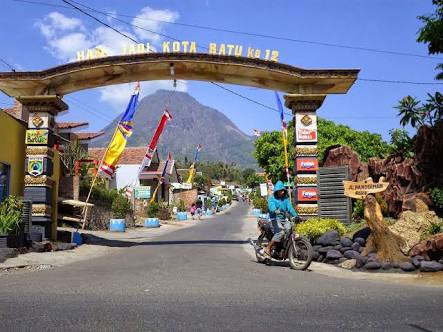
point(306, 193)
point(39, 181)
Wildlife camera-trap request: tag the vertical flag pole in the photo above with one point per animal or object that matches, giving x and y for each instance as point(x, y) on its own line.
point(285, 142)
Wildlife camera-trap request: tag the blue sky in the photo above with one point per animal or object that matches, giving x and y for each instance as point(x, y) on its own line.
point(36, 37)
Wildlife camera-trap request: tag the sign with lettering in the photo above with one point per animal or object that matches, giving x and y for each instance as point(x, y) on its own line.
point(306, 164)
point(306, 127)
point(361, 189)
point(183, 46)
point(35, 165)
point(263, 189)
point(37, 136)
point(142, 192)
point(307, 194)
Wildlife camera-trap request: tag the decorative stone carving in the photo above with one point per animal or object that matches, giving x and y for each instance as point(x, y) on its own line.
point(40, 151)
point(38, 181)
point(41, 210)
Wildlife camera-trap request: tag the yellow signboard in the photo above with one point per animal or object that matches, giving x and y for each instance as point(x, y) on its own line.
point(184, 46)
point(37, 136)
point(361, 189)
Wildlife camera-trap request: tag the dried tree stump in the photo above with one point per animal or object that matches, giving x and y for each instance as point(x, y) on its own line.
point(381, 240)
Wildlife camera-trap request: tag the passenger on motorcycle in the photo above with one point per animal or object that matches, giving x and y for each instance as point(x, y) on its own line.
point(279, 205)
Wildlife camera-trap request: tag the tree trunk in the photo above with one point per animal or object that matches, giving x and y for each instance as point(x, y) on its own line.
point(382, 240)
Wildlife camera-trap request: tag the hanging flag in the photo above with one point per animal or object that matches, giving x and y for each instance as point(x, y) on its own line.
point(121, 134)
point(171, 163)
point(192, 168)
point(256, 132)
point(129, 191)
point(153, 144)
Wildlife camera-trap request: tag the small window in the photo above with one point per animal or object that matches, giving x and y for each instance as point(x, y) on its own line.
point(4, 181)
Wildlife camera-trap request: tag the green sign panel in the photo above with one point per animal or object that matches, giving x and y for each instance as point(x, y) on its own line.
point(143, 192)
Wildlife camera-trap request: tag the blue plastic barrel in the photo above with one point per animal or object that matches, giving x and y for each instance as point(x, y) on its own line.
point(152, 223)
point(77, 238)
point(182, 216)
point(117, 225)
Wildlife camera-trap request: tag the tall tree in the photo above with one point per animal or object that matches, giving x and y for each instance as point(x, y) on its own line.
point(432, 33)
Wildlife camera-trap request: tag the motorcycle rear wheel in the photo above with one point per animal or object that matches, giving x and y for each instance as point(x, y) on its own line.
point(300, 254)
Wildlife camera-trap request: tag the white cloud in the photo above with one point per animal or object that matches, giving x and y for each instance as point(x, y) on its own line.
point(152, 19)
point(66, 35)
point(118, 95)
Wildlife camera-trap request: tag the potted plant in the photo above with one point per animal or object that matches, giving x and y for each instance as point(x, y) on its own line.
point(120, 208)
point(10, 217)
point(152, 213)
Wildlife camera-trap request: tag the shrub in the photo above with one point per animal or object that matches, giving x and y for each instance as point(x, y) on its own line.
point(315, 227)
point(152, 210)
point(221, 202)
point(120, 207)
point(435, 228)
point(164, 212)
point(436, 194)
point(181, 206)
point(10, 215)
point(357, 210)
point(260, 203)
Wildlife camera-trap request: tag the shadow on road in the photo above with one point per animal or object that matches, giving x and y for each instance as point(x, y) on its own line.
point(96, 240)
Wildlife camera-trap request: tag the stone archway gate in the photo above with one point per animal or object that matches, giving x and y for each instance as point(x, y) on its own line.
point(41, 94)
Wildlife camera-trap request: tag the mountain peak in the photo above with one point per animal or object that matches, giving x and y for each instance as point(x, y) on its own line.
point(192, 123)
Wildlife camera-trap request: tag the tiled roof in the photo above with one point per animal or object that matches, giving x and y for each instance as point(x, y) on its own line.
point(69, 125)
point(130, 156)
point(86, 136)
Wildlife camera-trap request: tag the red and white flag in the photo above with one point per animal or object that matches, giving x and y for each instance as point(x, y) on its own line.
point(153, 144)
point(129, 191)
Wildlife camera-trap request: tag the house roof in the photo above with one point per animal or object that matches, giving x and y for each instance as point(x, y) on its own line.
point(70, 125)
point(130, 156)
point(87, 136)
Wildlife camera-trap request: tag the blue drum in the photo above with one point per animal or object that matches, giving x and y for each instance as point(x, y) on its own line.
point(182, 216)
point(117, 225)
point(152, 223)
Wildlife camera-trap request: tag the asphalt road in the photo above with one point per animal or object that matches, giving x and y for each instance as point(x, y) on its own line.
point(202, 279)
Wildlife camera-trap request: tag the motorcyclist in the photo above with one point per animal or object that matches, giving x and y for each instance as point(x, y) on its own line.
point(279, 205)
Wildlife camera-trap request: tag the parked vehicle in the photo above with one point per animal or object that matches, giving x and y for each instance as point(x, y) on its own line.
point(295, 248)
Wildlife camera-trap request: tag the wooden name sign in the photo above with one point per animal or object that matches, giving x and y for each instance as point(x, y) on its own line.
point(361, 189)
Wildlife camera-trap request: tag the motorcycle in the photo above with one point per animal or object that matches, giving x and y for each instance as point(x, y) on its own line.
point(295, 248)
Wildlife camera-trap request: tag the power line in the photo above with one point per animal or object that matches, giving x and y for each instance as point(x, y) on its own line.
point(98, 20)
point(245, 33)
point(7, 65)
point(112, 16)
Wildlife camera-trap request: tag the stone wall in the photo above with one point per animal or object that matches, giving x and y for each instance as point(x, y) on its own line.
point(188, 196)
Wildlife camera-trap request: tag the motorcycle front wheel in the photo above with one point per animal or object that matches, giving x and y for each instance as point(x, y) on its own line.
point(259, 243)
point(300, 254)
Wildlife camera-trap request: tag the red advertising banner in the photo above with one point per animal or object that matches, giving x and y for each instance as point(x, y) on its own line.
point(306, 194)
point(306, 164)
point(307, 135)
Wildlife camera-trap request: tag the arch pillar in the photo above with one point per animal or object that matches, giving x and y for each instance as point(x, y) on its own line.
point(41, 180)
point(305, 151)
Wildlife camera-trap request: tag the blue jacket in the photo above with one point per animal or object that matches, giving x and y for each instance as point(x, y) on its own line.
point(282, 204)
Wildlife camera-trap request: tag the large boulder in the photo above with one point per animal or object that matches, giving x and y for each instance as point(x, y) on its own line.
point(412, 226)
point(345, 156)
point(351, 254)
point(407, 267)
point(333, 254)
point(330, 238)
point(431, 248)
point(431, 266)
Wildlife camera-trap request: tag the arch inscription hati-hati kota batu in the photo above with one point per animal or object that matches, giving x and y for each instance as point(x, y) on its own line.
point(258, 73)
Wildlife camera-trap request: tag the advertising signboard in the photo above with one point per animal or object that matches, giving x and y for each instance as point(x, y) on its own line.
point(306, 164)
point(142, 192)
point(306, 128)
point(307, 194)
